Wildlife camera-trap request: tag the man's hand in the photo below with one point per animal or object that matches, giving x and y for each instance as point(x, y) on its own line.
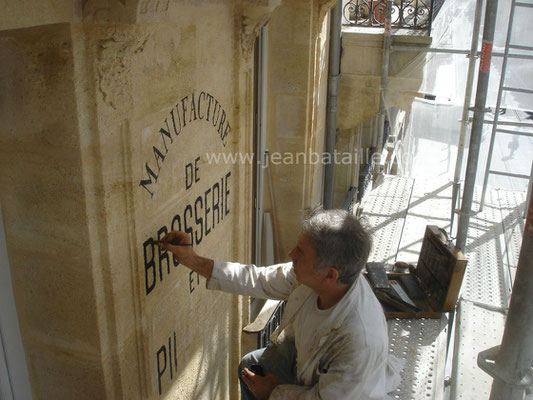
point(179, 243)
point(261, 386)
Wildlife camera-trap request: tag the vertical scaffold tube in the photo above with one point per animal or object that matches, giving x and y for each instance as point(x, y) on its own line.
point(466, 107)
point(515, 356)
point(477, 124)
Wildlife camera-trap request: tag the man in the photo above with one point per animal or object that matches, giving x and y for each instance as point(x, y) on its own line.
point(332, 343)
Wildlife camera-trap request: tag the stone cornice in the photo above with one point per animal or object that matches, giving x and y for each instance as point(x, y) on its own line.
point(254, 14)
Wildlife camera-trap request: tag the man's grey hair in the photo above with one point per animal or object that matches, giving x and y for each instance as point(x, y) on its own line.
point(340, 241)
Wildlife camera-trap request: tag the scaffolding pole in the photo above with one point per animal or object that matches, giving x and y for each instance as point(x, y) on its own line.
point(466, 106)
point(511, 363)
point(477, 124)
point(420, 49)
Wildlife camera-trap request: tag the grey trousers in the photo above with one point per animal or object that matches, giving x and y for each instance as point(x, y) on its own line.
point(278, 360)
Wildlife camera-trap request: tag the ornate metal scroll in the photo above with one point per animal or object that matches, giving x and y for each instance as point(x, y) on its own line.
point(405, 14)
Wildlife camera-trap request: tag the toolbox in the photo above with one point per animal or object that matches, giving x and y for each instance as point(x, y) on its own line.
point(427, 290)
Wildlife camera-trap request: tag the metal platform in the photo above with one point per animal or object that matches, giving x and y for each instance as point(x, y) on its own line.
point(485, 280)
point(495, 237)
point(512, 210)
point(429, 205)
point(385, 209)
point(422, 344)
point(398, 212)
point(477, 329)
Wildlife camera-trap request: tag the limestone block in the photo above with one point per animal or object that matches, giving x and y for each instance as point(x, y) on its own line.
point(292, 145)
point(183, 112)
point(140, 11)
point(28, 13)
point(358, 99)
point(408, 62)
point(289, 116)
point(361, 68)
point(361, 53)
point(288, 173)
point(58, 373)
point(112, 112)
point(289, 62)
point(105, 146)
point(290, 24)
point(254, 15)
point(297, 101)
point(289, 215)
point(41, 186)
point(51, 307)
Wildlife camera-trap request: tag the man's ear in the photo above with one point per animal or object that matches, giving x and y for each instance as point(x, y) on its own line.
point(332, 274)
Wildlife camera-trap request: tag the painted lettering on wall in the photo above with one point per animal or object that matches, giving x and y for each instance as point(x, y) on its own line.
point(166, 361)
point(197, 218)
point(190, 109)
point(153, 6)
point(191, 174)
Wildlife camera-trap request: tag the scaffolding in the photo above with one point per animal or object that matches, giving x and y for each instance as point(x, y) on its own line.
point(511, 364)
point(498, 109)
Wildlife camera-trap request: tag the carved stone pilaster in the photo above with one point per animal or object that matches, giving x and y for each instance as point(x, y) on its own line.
point(116, 53)
point(324, 7)
point(253, 16)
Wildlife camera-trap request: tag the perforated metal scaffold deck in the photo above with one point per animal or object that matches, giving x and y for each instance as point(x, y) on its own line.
point(430, 205)
point(492, 249)
point(385, 209)
point(420, 342)
point(398, 212)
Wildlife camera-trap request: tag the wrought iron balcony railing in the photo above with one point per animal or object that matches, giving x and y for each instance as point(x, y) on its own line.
point(405, 14)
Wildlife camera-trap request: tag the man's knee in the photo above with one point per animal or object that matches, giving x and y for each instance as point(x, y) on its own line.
point(250, 359)
point(243, 364)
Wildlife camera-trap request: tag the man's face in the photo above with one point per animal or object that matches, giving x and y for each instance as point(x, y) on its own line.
point(303, 261)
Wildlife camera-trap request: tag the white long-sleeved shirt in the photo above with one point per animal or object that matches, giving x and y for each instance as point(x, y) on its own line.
point(349, 359)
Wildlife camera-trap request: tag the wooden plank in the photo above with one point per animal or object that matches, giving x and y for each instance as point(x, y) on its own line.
point(260, 322)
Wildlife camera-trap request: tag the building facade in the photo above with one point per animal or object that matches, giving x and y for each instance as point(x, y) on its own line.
point(113, 116)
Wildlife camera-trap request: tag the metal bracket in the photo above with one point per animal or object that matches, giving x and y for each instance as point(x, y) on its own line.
point(470, 214)
point(486, 360)
point(486, 109)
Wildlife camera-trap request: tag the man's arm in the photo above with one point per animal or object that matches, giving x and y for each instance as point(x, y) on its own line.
point(274, 282)
point(179, 244)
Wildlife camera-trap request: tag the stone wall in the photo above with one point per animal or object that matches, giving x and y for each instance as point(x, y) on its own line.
point(297, 92)
point(359, 92)
point(361, 62)
point(109, 112)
